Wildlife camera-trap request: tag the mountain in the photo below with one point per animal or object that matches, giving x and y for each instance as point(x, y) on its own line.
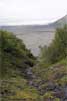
point(50, 27)
point(59, 23)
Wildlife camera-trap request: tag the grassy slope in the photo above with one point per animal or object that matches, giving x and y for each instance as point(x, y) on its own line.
point(15, 87)
point(18, 88)
point(14, 59)
point(52, 78)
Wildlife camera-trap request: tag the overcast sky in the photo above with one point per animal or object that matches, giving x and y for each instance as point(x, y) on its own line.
point(31, 11)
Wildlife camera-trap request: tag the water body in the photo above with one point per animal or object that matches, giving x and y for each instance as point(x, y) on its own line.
point(35, 39)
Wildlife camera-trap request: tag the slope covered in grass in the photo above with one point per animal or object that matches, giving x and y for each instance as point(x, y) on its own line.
point(13, 54)
point(15, 58)
point(51, 70)
point(47, 78)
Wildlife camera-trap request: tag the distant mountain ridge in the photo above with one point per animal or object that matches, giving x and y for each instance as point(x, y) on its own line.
point(50, 27)
point(59, 23)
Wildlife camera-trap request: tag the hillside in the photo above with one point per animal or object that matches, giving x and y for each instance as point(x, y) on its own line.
point(15, 58)
point(25, 78)
point(51, 70)
point(52, 81)
point(59, 23)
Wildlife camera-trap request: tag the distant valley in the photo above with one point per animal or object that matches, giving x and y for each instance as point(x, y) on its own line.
point(36, 35)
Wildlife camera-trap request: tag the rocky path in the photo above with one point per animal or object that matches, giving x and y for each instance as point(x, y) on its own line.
point(60, 92)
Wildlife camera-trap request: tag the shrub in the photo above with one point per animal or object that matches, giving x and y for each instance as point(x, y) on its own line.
point(13, 54)
point(57, 49)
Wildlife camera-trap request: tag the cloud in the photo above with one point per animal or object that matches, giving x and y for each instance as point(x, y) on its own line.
point(16, 11)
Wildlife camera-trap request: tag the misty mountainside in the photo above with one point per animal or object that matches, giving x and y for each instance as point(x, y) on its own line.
point(59, 23)
point(49, 27)
point(36, 35)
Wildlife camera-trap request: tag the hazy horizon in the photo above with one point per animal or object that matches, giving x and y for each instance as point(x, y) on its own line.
point(31, 12)
point(44, 23)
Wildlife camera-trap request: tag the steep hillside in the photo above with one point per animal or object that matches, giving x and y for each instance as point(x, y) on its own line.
point(15, 58)
point(59, 23)
point(23, 78)
point(51, 71)
point(52, 81)
point(13, 54)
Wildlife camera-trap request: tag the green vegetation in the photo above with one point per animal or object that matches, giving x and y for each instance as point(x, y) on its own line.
point(50, 82)
point(17, 89)
point(51, 71)
point(15, 58)
point(57, 49)
point(14, 55)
